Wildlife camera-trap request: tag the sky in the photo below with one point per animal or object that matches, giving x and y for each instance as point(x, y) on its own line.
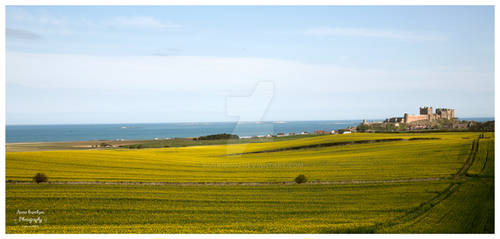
point(70, 65)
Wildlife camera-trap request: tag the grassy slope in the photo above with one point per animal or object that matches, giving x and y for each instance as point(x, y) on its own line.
point(377, 161)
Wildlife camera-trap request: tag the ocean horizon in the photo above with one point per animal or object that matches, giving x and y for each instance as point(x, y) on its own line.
point(150, 131)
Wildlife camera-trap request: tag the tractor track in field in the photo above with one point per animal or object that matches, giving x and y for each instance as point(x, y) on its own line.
point(440, 197)
point(470, 159)
point(343, 182)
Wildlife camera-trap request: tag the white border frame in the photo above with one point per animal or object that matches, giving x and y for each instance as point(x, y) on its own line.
point(227, 3)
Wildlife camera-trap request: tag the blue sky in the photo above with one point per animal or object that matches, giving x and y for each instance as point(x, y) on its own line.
point(172, 64)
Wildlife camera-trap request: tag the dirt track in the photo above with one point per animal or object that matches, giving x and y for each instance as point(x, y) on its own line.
point(241, 183)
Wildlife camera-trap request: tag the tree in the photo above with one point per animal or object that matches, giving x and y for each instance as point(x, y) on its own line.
point(300, 179)
point(40, 178)
point(105, 145)
point(362, 127)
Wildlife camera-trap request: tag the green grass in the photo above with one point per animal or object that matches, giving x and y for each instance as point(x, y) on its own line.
point(184, 142)
point(161, 143)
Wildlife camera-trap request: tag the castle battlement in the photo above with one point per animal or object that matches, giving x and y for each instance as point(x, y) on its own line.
point(426, 113)
point(425, 110)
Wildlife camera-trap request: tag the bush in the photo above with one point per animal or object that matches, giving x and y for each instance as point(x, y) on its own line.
point(105, 145)
point(40, 178)
point(301, 179)
point(217, 136)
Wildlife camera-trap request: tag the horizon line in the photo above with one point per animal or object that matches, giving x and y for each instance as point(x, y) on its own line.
point(177, 122)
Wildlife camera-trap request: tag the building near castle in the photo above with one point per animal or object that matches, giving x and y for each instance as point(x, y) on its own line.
point(425, 114)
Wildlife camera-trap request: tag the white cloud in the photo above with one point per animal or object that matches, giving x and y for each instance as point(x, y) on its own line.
point(139, 21)
point(53, 88)
point(20, 15)
point(374, 33)
point(44, 21)
point(224, 74)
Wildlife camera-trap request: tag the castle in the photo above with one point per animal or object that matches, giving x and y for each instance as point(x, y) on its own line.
point(425, 114)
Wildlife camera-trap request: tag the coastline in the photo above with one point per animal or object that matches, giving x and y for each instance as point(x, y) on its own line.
point(139, 132)
point(150, 143)
point(70, 145)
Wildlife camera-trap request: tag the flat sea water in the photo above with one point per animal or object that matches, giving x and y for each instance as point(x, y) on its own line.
point(84, 132)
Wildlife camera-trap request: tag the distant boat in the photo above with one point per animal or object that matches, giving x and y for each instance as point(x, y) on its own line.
point(280, 122)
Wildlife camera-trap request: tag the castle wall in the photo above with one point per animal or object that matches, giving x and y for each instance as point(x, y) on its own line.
point(425, 114)
point(412, 118)
point(394, 120)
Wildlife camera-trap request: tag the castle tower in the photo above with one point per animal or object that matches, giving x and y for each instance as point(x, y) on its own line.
point(426, 110)
point(444, 113)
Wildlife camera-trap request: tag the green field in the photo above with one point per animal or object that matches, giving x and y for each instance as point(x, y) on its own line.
point(402, 183)
point(160, 143)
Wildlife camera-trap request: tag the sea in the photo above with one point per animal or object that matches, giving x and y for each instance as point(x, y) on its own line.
point(150, 131)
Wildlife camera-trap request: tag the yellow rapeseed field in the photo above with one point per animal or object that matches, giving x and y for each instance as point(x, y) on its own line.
point(357, 183)
point(222, 163)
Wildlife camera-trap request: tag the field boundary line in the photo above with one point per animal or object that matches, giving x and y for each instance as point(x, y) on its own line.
point(332, 144)
point(344, 182)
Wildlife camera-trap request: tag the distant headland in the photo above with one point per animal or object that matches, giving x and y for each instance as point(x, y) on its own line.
point(441, 119)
